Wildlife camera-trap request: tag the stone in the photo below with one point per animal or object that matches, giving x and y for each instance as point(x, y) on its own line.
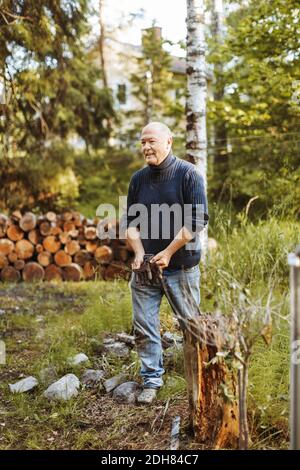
point(48, 375)
point(92, 377)
point(24, 385)
point(147, 396)
point(127, 392)
point(64, 388)
point(171, 339)
point(113, 382)
point(127, 339)
point(78, 359)
point(116, 348)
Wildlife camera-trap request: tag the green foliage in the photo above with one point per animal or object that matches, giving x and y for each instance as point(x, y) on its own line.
point(260, 107)
point(156, 88)
point(51, 98)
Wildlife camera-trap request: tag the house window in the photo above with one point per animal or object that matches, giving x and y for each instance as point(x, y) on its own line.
point(121, 94)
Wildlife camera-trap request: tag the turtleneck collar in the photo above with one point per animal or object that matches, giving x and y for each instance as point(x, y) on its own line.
point(164, 164)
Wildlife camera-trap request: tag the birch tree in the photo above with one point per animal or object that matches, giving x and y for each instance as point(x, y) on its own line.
point(196, 145)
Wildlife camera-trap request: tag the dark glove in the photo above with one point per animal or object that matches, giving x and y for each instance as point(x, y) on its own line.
point(148, 274)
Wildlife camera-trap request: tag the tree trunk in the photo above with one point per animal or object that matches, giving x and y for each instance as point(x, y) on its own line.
point(101, 43)
point(73, 272)
point(212, 389)
point(28, 222)
point(53, 273)
point(196, 144)
point(33, 272)
point(10, 274)
point(24, 249)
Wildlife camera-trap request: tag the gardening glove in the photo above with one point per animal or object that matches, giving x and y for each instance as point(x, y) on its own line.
point(148, 274)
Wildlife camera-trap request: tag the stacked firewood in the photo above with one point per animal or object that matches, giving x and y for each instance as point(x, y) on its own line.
point(60, 247)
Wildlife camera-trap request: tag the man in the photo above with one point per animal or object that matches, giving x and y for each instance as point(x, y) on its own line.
point(164, 181)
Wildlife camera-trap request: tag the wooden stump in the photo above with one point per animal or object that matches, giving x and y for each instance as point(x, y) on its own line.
point(3, 261)
point(53, 273)
point(19, 264)
point(28, 222)
point(61, 258)
point(72, 247)
point(10, 274)
point(51, 244)
point(212, 387)
point(103, 254)
point(44, 258)
point(33, 272)
point(73, 272)
point(15, 233)
point(6, 246)
point(24, 249)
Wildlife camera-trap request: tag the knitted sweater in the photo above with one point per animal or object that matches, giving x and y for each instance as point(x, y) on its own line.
point(158, 188)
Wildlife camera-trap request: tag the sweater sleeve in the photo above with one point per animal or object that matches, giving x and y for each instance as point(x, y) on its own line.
point(127, 219)
point(194, 195)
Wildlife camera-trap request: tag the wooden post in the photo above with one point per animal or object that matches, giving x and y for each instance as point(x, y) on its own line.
point(294, 262)
point(211, 386)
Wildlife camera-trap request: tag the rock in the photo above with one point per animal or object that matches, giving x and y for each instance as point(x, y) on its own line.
point(127, 392)
point(127, 339)
point(48, 375)
point(24, 385)
point(78, 359)
point(2, 312)
point(92, 377)
point(64, 388)
point(113, 382)
point(117, 348)
point(171, 339)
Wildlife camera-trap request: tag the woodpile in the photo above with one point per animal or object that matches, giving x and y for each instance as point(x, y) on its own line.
point(60, 247)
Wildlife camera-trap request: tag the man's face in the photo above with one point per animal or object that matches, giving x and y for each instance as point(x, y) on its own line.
point(156, 145)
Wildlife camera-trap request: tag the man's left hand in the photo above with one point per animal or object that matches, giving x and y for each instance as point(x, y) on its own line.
point(162, 259)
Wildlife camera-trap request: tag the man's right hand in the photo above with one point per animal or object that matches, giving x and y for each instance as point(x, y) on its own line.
point(139, 258)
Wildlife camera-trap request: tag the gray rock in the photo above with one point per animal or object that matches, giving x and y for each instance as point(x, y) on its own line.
point(113, 382)
point(127, 392)
point(170, 339)
point(64, 388)
point(116, 348)
point(127, 339)
point(92, 377)
point(78, 359)
point(48, 375)
point(24, 385)
point(2, 312)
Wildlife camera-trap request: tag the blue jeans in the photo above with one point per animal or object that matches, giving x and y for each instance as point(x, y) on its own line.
point(183, 287)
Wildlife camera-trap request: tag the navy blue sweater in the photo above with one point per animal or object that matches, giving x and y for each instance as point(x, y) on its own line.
point(174, 181)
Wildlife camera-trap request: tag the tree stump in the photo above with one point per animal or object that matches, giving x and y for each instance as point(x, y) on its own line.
point(15, 233)
point(24, 249)
point(53, 273)
point(6, 246)
point(51, 244)
point(211, 386)
point(33, 272)
point(73, 272)
point(103, 254)
point(62, 258)
point(10, 274)
point(44, 258)
point(28, 222)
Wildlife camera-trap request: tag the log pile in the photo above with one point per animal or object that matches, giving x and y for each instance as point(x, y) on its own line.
point(62, 247)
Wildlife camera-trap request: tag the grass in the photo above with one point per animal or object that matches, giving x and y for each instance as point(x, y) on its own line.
point(47, 323)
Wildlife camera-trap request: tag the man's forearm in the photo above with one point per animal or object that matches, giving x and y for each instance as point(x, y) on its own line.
point(133, 236)
point(182, 238)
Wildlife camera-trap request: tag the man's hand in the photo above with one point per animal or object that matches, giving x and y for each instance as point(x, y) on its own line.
point(162, 259)
point(138, 259)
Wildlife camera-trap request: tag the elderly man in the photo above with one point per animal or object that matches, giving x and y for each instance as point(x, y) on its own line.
point(165, 181)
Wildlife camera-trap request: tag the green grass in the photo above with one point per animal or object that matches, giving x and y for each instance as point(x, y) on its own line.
point(48, 323)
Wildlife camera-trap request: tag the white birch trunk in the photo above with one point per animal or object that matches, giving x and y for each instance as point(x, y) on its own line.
point(196, 145)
